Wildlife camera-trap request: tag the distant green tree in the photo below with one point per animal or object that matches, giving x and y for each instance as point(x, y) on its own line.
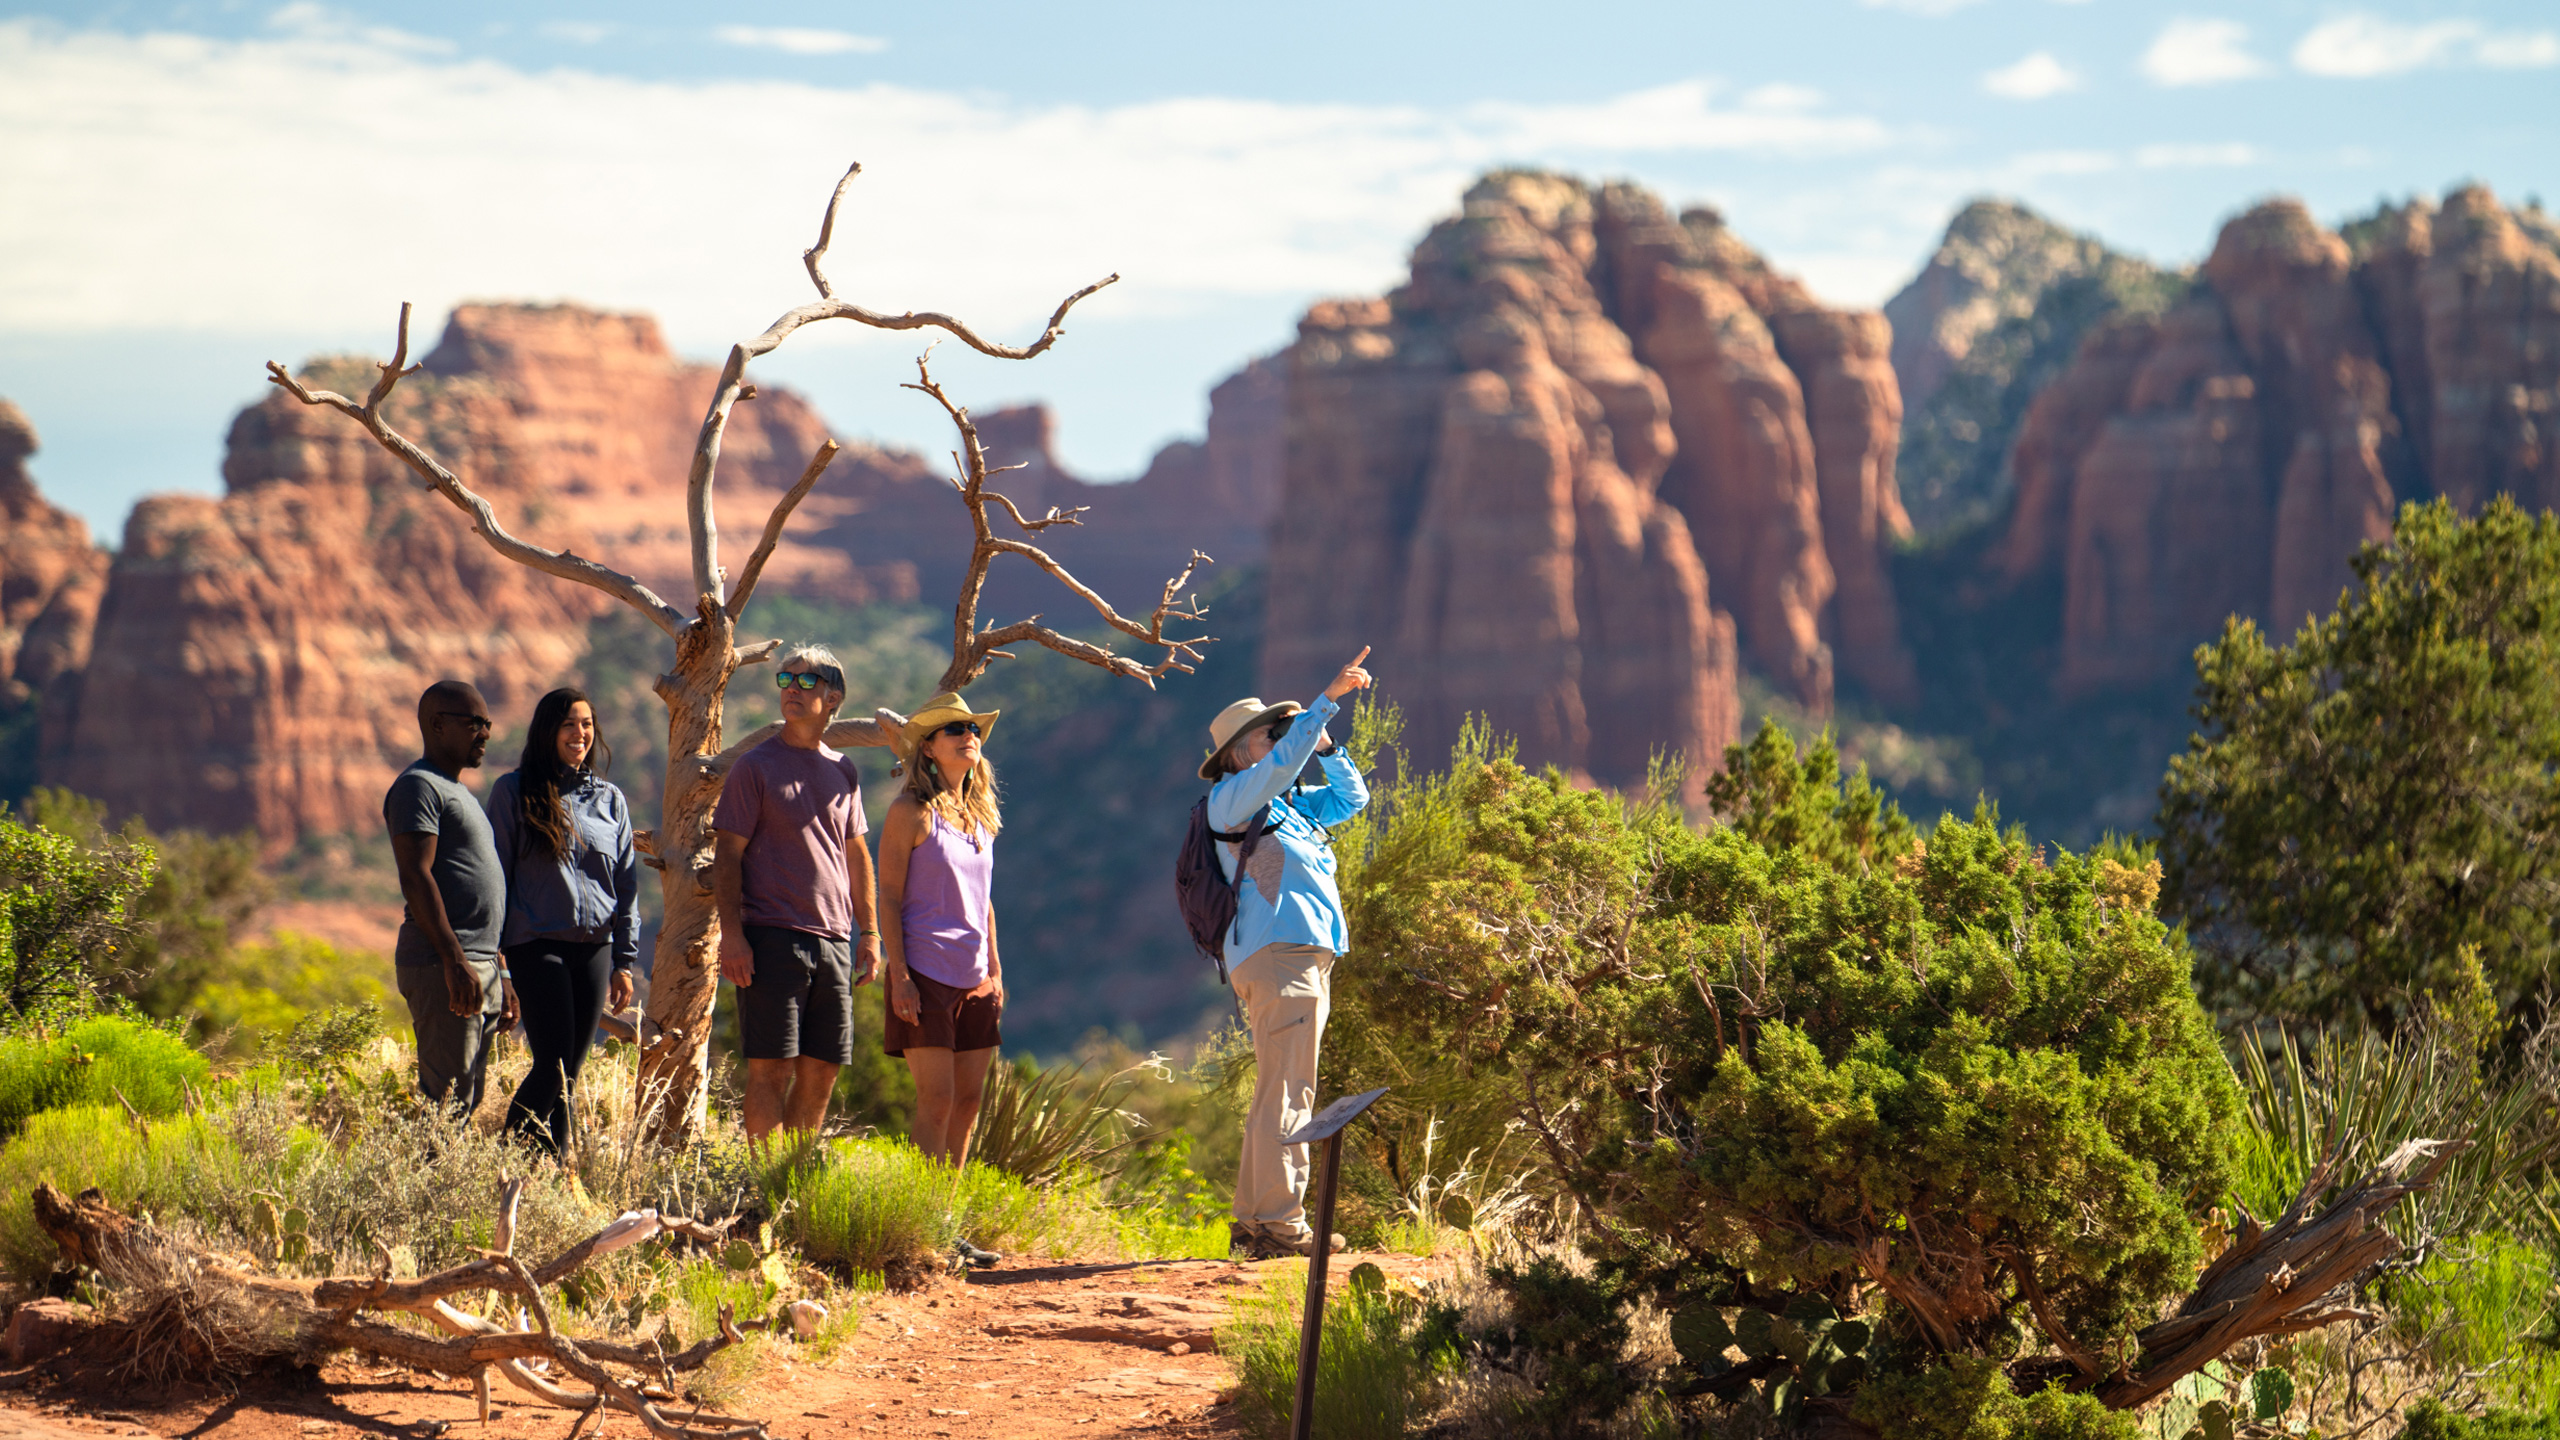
point(68, 912)
point(204, 893)
point(2358, 807)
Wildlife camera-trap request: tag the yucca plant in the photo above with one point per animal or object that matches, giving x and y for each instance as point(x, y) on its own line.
point(1038, 1125)
point(2364, 1094)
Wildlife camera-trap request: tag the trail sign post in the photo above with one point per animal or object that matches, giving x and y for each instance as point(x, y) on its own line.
point(1327, 1126)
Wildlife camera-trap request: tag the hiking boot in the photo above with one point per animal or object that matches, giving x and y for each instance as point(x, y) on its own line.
point(1268, 1246)
point(970, 1255)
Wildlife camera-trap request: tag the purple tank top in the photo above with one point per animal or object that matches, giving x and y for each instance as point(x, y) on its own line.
point(945, 915)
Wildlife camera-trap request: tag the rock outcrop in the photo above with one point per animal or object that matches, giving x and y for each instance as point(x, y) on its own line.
point(51, 576)
point(2231, 454)
point(1555, 477)
point(1988, 323)
point(257, 658)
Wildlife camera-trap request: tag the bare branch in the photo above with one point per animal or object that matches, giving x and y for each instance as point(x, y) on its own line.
point(827, 234)
point(972, 648)
point(1055, 516)
point(781, 516)
point(755, 654)
point(444, 482)
point(733, 384)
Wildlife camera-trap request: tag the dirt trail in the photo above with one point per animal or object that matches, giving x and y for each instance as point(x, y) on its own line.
point(1052, 1349)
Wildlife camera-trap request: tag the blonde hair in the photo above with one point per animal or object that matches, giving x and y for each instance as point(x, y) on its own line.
point(972, 807)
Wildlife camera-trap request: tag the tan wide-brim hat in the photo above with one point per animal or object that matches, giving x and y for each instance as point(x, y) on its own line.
point(939, 711)
point(1236, 720)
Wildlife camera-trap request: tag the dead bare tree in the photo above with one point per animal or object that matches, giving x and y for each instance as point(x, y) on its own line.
point(685, 977)
point(324, 1316)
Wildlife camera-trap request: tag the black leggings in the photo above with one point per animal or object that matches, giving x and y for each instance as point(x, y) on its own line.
point(561, 985)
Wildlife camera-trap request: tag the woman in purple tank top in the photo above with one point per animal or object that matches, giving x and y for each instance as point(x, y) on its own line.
point(946, 979)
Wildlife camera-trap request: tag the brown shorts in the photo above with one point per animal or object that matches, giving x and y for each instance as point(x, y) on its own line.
point(946, 1019)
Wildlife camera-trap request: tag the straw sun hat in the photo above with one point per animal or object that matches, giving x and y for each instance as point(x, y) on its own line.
point(939, 711)
point(1239, 719)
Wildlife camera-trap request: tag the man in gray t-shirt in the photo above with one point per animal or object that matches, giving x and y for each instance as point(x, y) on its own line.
point(447, 958)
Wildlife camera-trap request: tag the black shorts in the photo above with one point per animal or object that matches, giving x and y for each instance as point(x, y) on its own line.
point(946, 1019)
point(800, 1004)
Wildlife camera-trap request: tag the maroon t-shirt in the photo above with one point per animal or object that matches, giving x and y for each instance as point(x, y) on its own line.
point(798, 810)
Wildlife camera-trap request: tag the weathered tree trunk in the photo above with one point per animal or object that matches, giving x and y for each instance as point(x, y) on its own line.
point(685, 976)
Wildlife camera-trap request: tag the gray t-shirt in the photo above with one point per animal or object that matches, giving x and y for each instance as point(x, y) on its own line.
point(466, 869)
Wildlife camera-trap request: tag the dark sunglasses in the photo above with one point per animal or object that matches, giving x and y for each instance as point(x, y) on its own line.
point(828, 676)
point(960, 727)
point(480, 724)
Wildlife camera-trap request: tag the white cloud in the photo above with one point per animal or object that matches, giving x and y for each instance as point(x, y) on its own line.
point(2200, 52)
point(580, 32)
point(2033, 78)
point(795, 41)
point(2361, 46)
point(2187, 157)
point(171, 181)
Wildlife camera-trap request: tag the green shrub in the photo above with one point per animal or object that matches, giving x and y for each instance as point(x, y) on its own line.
point(1970, 1399)
point(262, 993)
point(2431, 1421)
point(168, 1167)
point(67, 911)
point(1375, 1364)
point(97, 1062)
point(1807, 1048)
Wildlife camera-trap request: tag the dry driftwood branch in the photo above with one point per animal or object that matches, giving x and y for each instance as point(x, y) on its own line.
point(782, 509)
point(972, 647)
point(328, 1315)
point(733, 384)
point(444, 482)
point(2295, 1275)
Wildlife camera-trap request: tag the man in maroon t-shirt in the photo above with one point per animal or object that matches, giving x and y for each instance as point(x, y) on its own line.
point(793, 883)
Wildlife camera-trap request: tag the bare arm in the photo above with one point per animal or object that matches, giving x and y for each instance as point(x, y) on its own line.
point(866, 913)
point(899, 832)
point(413, 857)
point(728, 896)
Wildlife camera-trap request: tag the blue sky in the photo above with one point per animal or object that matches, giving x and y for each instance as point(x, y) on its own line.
point(191, 187)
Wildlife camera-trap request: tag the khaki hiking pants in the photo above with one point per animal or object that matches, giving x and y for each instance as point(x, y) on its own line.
point(1286, 992)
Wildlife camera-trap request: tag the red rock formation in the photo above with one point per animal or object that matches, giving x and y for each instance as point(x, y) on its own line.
point(2232, 457)
point(51, 577)
point(2323, 399)
point(1469, 467)
point(258, 657)
point(1519, 474)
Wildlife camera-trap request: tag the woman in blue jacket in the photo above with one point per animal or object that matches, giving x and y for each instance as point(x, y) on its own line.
point(573, 889)
point(1288, 932)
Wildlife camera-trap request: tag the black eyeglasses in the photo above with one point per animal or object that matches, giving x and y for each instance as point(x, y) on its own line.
point(480, 724)
point(961, 727)
point(829, 676)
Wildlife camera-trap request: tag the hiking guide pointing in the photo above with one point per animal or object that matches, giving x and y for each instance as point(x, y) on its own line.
point(1287, 932)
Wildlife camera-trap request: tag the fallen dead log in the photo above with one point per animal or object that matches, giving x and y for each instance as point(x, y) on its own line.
point(2282, 1279)
point(329, 1315)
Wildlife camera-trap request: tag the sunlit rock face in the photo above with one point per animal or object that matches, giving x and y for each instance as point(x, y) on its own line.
point(1589, 459)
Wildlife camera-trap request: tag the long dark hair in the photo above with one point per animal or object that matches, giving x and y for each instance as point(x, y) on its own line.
point(540, 777)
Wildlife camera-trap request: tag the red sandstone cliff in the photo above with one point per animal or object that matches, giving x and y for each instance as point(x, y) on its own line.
point(1525, 475)
point(258, 657)
point(51, 577)
point(2232, 454)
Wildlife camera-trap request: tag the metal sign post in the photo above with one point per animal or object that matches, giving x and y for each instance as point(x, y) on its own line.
point(1327, 1126)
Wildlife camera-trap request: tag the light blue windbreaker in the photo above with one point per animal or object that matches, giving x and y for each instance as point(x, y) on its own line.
point(1288, 897)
